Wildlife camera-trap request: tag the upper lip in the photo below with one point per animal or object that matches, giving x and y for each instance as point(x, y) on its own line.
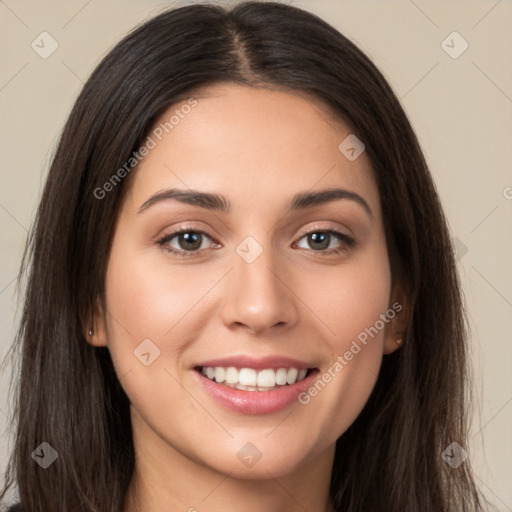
point(260, 363)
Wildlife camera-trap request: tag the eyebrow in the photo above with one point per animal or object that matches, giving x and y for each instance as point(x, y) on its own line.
point(217, 202)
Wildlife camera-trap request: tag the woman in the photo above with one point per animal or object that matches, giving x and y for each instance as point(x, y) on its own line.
point(242, 292)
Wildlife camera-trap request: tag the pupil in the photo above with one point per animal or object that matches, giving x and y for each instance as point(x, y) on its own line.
point(315, 237)
point(190, 241)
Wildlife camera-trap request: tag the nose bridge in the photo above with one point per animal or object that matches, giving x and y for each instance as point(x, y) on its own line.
point(257, 296)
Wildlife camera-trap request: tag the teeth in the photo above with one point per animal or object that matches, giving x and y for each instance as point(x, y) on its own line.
point(267, 378)
point(220, 374)
point(281, 376)
point(250, 379)
point(247, 377)
point(292, 375)
point(231, 375)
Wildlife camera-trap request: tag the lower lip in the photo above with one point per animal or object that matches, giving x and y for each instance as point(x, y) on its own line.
point(255, 402)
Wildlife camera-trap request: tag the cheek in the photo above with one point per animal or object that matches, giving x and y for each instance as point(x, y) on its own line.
point(149, 325)
point(142, 307)
point(361, 299)
point(349, 299)
point(154, 308)
point(355, 306)
point(147, 300)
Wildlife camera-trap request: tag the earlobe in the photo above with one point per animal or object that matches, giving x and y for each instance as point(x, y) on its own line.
point(96, 333)
point(95, 338)
point(395, 334)
point(394, 344)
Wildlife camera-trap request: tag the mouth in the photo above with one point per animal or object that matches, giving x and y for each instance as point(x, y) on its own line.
point(251, 379)
point(249, 385)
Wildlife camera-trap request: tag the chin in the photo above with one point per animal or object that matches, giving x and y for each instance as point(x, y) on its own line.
point(259, 459)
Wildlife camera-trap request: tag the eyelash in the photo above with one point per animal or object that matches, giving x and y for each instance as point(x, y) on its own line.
point(347, 241)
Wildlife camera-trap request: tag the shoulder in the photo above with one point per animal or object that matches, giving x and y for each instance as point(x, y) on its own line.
point(15, 508)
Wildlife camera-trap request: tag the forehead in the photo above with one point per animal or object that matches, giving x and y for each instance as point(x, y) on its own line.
point(255, 145)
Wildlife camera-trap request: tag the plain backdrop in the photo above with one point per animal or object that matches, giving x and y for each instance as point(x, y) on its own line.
point(459, 105)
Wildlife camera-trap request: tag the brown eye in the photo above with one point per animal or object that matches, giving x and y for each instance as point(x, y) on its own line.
point(184, 242)
point(320, 240)
point(189, 241)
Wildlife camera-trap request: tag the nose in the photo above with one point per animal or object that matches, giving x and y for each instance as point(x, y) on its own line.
point(258, 296)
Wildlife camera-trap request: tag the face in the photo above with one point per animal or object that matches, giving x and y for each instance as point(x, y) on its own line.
point(280, 293)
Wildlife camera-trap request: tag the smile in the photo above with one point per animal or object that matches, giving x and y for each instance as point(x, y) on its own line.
point(255, 385)
point(250, 379)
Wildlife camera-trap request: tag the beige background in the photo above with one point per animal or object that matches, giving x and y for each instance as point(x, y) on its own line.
point(461, 109)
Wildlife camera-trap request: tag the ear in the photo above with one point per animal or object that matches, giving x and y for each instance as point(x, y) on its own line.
point(96, 331)
point(397, 327)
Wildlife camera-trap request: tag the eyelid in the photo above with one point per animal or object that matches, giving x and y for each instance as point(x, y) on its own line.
point(318, 227)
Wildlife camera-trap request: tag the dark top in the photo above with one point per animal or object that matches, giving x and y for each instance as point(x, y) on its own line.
point(15, 508)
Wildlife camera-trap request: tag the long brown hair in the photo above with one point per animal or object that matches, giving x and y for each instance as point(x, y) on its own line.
point(68, 394)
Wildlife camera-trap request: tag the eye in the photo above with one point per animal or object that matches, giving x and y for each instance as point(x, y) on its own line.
point(320, 240)
point(189, 242)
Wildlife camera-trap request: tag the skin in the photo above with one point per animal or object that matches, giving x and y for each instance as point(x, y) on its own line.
point(257, 147)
